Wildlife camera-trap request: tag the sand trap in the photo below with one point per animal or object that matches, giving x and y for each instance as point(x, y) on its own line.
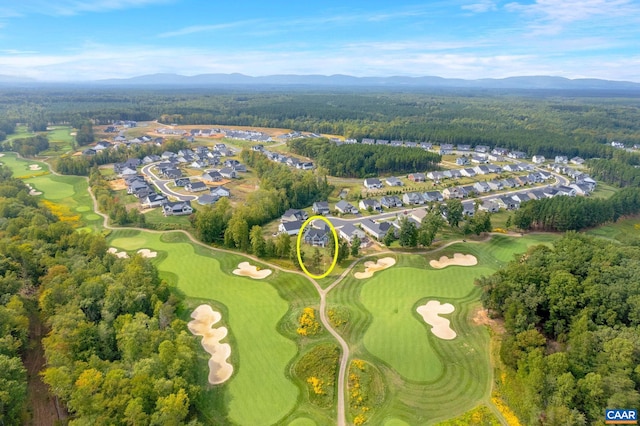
point(440, 327)
point(202, 325)
point(120, 254)
point(246, 269)
point(35, 167)
point(458, 259)
point(1, 155)
point(147, 253)
point(33, 191)
point(371, 267)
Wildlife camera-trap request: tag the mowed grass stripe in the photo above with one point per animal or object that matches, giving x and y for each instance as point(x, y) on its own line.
point(259, 393)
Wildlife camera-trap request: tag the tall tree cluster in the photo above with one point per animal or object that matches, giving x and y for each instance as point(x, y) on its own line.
point(357, 160)
point(572, 319)
point(116, 352)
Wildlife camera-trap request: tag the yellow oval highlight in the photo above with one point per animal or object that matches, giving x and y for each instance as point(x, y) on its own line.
point(335, 253)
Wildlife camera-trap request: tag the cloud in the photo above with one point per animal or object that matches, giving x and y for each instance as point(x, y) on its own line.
point(72, 7)
point(481, 6)
point(553, 16)
point(207, 28)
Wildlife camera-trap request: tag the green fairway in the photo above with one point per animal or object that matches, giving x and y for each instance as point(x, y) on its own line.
point(69, 192)
point(427, 379)
point(60, 140)
point(619, 230)
point(259, 391)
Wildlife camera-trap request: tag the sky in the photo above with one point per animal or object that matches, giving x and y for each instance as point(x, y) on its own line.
point(81, 40)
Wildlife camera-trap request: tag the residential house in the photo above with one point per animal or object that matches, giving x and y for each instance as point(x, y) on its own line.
point(207, 199)
point(479, 159)
point(433, 196)
point(517, 154)
point(220, 191)
point(436, 175)
point(211, 176)
point(455, 173)
point(417, 177)
point(305, 165)
point(370, 204)
point(396, 143)
point(538, 159)
point(172, 173)
point(490, 206)
point(391, 201)
point(89, 152)
point(151, 159)
point(426, 145)
point(382, 142)
point(446, 149)
point(372, 183)
point(316, 237)
point(153, 200)
point(507, 203)
point(321, 207)
point(393, 181)
point(493, 168)
point(500, 151)
point(469, 172)
point(345, 208)
point(368, 141)
point(177, 208)
point(495, 158)
point(349, 232)
point(495, 185)
point(520, 197)
point(481, 170)
point(419, 214)
point(376, 230)
point(413, 198)
point(481, 187)
point(293, 215)
point(561, 159)
point(577, 161)
point(482, 149)
point(196, 186)
point(453, 192)
point(581, 188)
point(228, 173)
point(617, 144)
point(566, 190)
point(462, 161)
point(463, 148)
point(290, 228)
point(468, 209)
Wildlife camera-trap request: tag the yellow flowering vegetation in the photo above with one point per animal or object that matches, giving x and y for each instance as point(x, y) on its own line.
point(308, 325)
point(637, 226)
point(500, 230)
point(506, 412)
point(338, 317)
point(62, 212)
point(316, 384)
point(479, 416)
point(358, 395)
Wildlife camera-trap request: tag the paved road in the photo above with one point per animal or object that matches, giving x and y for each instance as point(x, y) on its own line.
point(162, 184)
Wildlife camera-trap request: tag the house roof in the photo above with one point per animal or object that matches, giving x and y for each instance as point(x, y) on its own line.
point(291, 226)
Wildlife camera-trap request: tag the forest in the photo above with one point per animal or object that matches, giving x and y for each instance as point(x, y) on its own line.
point(361, 161)
point(571, 314)
point(576, 213)
point(545, 123)
point(116, 351)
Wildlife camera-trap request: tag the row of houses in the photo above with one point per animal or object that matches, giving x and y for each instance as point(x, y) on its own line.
point(148, 198)
point(283, 159)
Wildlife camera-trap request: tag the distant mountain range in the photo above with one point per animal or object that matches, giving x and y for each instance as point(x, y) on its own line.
point(338, 80)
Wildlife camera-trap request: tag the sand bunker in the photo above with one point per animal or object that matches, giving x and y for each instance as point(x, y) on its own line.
point(371, 267)
point(147, 253)
point(202, 325)
point(440, 327)
point(1, 155)
point(120, 254)
point(458, 259)
point(35, 167)
point(246, 269)
point(33, 191)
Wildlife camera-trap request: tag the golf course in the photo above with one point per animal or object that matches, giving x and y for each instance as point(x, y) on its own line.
point(413, 375)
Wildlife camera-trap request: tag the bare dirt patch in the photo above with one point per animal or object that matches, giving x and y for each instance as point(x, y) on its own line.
point(120, 254)
point(246, 269)
point(458, 259)
point(117, 184)
point(147, 253)
point(481, 317)
point(204, 318)
point(371, 267)
point(440, 327)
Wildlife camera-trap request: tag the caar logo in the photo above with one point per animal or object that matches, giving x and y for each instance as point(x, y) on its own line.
point(621, 417)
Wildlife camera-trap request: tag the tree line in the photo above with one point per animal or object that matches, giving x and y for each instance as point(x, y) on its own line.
point(27, 147)
point(116, 352)
point(357, 160)
point(572, 315)
point(615, 171)
point(575, 213)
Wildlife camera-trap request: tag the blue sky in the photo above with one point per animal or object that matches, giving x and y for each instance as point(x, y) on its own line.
point(74, 40)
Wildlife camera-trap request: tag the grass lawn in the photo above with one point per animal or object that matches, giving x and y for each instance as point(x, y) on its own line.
point(619, 230)
point(259, 392)
point(604, 191)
